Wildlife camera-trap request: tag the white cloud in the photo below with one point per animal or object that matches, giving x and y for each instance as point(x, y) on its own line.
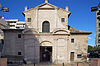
point(89, 38)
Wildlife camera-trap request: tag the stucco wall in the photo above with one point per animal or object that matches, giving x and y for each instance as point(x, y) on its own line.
point(80, 45)
point(13, 44)
point(58, 42)
point(53, 16)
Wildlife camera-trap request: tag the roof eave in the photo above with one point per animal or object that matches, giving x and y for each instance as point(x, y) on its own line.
point(12, 29)
point(81, 33)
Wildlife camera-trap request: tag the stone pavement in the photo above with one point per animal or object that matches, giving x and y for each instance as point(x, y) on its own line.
point(74, 64)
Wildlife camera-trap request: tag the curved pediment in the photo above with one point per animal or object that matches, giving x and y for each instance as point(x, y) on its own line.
point(61, 31)
point(46, 43)
point(30, 31)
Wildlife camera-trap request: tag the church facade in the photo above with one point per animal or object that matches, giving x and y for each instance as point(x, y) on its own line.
point(47, 37)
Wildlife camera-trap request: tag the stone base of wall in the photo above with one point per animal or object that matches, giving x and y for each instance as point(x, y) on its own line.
point(95, 62)
point(3, 61)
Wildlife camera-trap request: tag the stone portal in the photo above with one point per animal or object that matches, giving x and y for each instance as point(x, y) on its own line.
point(45, 53)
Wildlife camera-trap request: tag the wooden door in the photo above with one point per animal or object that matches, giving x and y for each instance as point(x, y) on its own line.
point(72, 56)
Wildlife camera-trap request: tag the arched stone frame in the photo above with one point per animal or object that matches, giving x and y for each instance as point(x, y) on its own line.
point(46, 44)
point(32, 30)
point(61, 31)
point(43, 43)
point(46, 26)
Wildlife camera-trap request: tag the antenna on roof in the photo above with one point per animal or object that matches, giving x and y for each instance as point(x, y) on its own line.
point(46, 1)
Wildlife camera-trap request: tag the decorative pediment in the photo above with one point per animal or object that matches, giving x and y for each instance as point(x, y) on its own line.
point(30, 31)
point(46, 6)
point(61, 31)
point(46, 43)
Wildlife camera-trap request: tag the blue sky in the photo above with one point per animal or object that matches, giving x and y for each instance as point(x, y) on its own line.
point(81, 16)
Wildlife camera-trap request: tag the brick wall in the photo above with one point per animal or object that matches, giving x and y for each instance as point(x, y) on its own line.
point(3, 61)
point(95, 62)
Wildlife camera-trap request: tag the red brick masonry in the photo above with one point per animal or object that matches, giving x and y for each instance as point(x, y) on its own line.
point(3, 61)
point(95, 62)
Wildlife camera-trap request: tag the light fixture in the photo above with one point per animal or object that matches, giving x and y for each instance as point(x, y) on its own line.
point(94, 8)
point(5, 9)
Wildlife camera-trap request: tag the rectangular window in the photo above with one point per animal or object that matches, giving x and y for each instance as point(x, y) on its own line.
point(2, 41)
point(98, 40)
point(99, 30)
point(72, 56)
point(11, 21)
point(98, 13)
point(98, 45)
point(19, 53)
point(19, 35)
point(17, 27)
point(29, 19)
point(99, 25)
point(79, 55)
point(98, 18)
point(12, 25)
point(98, 35)
point(62, 19)
point(72, 40)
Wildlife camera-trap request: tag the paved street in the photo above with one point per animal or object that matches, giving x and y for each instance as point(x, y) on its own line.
point(74, 64)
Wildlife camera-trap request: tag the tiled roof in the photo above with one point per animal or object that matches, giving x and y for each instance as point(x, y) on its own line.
point(73, 30)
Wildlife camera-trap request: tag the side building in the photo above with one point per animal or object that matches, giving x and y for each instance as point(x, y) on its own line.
point(15, 24)
point(2, 26)
point(98, 28)
point(13, 41)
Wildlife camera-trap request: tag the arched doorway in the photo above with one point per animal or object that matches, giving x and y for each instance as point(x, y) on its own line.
point(46, 52)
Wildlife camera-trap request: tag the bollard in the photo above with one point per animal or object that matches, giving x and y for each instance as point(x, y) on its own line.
point(63, 64)
point(77, 63)
point(34, 64)
point(48, 64)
